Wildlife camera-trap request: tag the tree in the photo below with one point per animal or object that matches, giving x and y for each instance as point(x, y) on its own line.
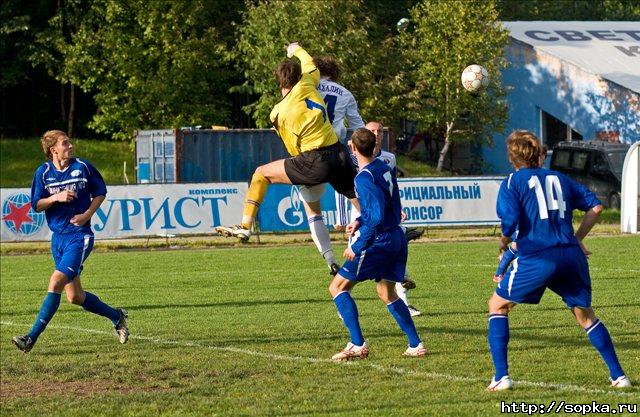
point(445, 37)
point(150, 64)
point(338, 27)
point(568, 10)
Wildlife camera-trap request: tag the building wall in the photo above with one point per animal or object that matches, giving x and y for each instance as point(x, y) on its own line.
point(595, 108)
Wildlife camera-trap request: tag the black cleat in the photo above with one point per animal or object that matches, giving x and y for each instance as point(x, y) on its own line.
point(121, 328)
point(413, 233)
point(24, 343)
point(333, 269)
point(408, 283)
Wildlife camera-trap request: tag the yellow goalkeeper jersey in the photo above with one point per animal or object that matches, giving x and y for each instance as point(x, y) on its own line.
point(301, 118)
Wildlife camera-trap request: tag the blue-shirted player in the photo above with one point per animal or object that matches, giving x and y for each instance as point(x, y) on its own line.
point(69, 190)
point(539, 203)
point(380, 253)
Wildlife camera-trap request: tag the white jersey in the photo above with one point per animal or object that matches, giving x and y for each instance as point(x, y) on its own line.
point(341, 105)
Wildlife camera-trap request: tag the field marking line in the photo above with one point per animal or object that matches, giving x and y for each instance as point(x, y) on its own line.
point(377, 367)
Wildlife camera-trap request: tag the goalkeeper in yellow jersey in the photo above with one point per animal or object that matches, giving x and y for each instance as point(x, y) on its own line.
point(303, 124)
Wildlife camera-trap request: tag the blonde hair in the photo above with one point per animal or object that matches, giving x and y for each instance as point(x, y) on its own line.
point(524, 149)
point(49, 139)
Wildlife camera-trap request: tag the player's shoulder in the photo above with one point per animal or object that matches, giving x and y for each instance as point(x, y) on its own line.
point(45, 166)
point(81, 164)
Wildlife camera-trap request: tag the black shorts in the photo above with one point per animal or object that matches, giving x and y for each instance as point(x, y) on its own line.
point(330, 164)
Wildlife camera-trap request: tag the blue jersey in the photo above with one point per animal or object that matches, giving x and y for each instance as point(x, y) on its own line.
point(377, 191)
point(539, 203)
point(81, 177)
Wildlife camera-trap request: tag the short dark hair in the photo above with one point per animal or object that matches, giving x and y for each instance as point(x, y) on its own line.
point(364, 140)
point(328, 66)
point(288, 73)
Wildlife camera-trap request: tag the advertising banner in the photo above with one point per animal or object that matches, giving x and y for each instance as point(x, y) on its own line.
point(425, 201)
point(135, 210)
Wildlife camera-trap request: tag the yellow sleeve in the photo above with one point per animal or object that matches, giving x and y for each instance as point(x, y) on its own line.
point(308, 66)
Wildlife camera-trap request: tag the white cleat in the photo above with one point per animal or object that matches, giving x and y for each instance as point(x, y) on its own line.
point(351, 352)
point(419, 350)
point(414, 311)
point(235, 231)
point(621, 382)
point(504, 383)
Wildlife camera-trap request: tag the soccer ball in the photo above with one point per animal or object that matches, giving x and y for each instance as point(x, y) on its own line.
point(402, 24)
point(475, 78)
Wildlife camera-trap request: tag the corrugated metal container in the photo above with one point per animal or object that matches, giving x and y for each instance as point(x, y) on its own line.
point(205, 155)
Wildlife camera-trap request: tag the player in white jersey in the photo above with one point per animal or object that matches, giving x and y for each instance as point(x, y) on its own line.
point(341, 107)
point(402, 288)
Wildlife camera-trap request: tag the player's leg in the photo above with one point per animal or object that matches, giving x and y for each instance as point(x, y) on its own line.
point(498, 338)
point(48, 309)
point(601, 339)
point(400, 312)
point(340, 288)
point(75, 253)
point(342, 207)
point(271, 173)
point(573, 284)
point(319, 233)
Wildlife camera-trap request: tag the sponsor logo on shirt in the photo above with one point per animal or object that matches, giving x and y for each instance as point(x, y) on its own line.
point(50, 179)
point(76, 172)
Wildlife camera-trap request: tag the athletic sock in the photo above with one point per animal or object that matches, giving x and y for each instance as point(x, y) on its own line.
point(601, 340)
point(94, 305)
point(48, 308)
point(400, 312)
point(349, 313)
point(255, 195)
point(498, 341)
point(402, 292)
point(320, 236)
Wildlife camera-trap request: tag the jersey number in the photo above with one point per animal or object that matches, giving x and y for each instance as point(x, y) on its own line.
point(389, 180)
point(552, 183)
point(313, 105)
point(330, 101)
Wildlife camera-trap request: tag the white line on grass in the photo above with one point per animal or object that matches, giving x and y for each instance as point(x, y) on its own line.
point(367, 364)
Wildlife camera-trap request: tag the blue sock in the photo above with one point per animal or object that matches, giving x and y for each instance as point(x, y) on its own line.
point(601, 340)
point(48, 308)
point(349, 312)
point(93, 304)
point(498, 341)
point(400, 312)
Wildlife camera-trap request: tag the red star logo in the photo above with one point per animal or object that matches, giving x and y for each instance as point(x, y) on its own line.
point(18, 215)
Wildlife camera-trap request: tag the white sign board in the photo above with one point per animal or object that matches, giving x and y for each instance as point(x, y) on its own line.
point(134, 210)
point(450, 201)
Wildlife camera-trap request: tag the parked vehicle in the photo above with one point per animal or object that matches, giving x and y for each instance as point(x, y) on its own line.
point(595, 164)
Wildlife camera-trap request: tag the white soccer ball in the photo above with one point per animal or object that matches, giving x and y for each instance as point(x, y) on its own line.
point(402, 24)
point(475, 78)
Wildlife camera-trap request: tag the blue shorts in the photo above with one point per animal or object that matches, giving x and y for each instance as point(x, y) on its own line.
point(562, 269)
point(69, 252)
point(385, 259)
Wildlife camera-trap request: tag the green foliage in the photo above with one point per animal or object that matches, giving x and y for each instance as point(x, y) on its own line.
point(337, 27)
point(150, 65)
point(249, 331)
point(444, 38)
point(569, 10)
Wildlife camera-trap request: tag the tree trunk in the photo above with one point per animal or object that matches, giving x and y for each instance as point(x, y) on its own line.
point(63, 104)
point(445, 148)
point(72, 108)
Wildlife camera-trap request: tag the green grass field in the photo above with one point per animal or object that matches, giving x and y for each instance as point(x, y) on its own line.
point(249, 332)
point(19, 158)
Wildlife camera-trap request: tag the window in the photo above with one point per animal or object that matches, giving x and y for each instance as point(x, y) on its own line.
point(561, 159)
point(579, 161)
point(554, 130)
